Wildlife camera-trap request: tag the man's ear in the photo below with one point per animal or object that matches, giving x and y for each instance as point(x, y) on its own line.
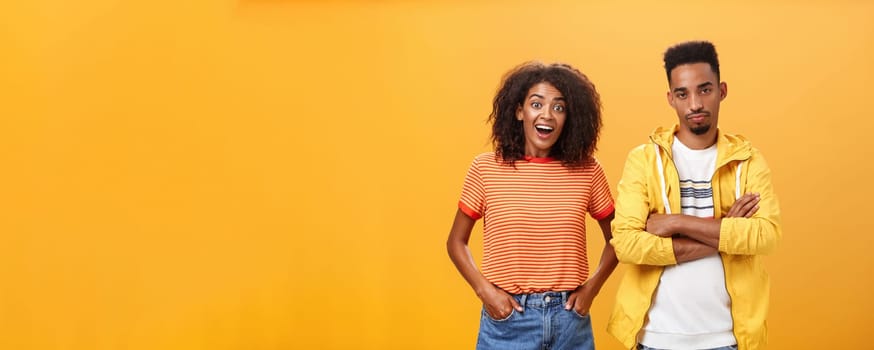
point(723, 90)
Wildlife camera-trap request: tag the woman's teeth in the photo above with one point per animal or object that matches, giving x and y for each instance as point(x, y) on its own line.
point(543, 129)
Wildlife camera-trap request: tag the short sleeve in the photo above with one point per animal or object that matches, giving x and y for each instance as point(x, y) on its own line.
point(600, 198)
point(473, 193)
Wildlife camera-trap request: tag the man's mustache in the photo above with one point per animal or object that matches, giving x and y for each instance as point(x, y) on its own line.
point(705, 113)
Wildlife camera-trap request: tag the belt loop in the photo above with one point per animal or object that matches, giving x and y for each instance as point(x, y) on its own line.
point(564, 296)
point(522, 300)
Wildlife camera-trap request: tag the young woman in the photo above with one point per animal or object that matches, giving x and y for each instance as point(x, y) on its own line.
point(533, 193)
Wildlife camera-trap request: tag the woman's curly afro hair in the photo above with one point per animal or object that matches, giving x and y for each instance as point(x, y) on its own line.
point(579, 136)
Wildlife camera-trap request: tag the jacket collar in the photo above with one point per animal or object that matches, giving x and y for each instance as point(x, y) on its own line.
point(729, 147)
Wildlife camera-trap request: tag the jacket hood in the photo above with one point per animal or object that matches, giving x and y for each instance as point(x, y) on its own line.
point(729, 147)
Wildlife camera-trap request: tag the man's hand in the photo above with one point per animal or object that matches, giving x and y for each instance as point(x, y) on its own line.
point(498, 303)
point(661, 225)
point(744, 207)
point(581, 299)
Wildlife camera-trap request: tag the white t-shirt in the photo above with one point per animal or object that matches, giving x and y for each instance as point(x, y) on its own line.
point(691, 308)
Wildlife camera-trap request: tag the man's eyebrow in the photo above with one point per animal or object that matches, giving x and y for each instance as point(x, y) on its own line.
point(702, 85)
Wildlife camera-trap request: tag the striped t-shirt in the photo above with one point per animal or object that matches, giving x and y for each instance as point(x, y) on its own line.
point(534, 229)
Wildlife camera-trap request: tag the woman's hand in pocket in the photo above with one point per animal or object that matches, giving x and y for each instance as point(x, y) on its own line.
point(580, 300)
point(498, 303)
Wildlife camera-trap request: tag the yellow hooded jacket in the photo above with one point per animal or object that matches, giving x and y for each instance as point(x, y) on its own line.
point(650, 180)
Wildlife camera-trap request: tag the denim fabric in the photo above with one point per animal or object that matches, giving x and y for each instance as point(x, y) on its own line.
point(730, 347)
point(544, 325)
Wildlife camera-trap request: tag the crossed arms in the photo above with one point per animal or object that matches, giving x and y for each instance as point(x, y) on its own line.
point(693, 237)
point(750, 227)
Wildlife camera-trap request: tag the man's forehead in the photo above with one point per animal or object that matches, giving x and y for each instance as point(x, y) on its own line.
point(692, 75)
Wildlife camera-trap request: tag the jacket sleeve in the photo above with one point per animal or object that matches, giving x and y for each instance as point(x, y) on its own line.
point(760, 233)
point(633, 245)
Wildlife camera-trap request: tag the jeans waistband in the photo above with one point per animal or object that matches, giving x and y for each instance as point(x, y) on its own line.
point(542, 299)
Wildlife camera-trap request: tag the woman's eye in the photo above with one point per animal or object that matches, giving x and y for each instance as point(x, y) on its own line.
point(536, 105)
point(558, 108)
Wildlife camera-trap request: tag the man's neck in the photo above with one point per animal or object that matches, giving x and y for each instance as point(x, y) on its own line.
point(693, 141)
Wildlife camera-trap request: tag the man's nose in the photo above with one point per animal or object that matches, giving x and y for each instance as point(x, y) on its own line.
point(695, 103)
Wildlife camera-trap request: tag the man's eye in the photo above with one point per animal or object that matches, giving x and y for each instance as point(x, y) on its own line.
point(681, 95)
point(705, 91)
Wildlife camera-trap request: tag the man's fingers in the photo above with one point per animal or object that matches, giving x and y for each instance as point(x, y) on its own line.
point(749, 208)
point(744, 206)
point(745, 199)
point(748, 205)
point(736, 207)
point(753, 204)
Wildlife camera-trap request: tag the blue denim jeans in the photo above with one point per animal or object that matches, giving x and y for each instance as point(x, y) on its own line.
point(730, 347)
point(544, 325)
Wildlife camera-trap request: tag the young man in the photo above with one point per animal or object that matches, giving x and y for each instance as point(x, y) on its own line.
point(694, 214)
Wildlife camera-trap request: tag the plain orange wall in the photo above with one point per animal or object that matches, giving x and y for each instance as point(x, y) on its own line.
point(282, 174)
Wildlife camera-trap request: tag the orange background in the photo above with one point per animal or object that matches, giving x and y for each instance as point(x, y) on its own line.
point(283, 174)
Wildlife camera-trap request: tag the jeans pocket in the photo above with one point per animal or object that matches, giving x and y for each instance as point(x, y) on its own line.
point(505, 319)
point(577, 314)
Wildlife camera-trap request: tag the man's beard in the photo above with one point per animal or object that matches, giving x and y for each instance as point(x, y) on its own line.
point(700, 130)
